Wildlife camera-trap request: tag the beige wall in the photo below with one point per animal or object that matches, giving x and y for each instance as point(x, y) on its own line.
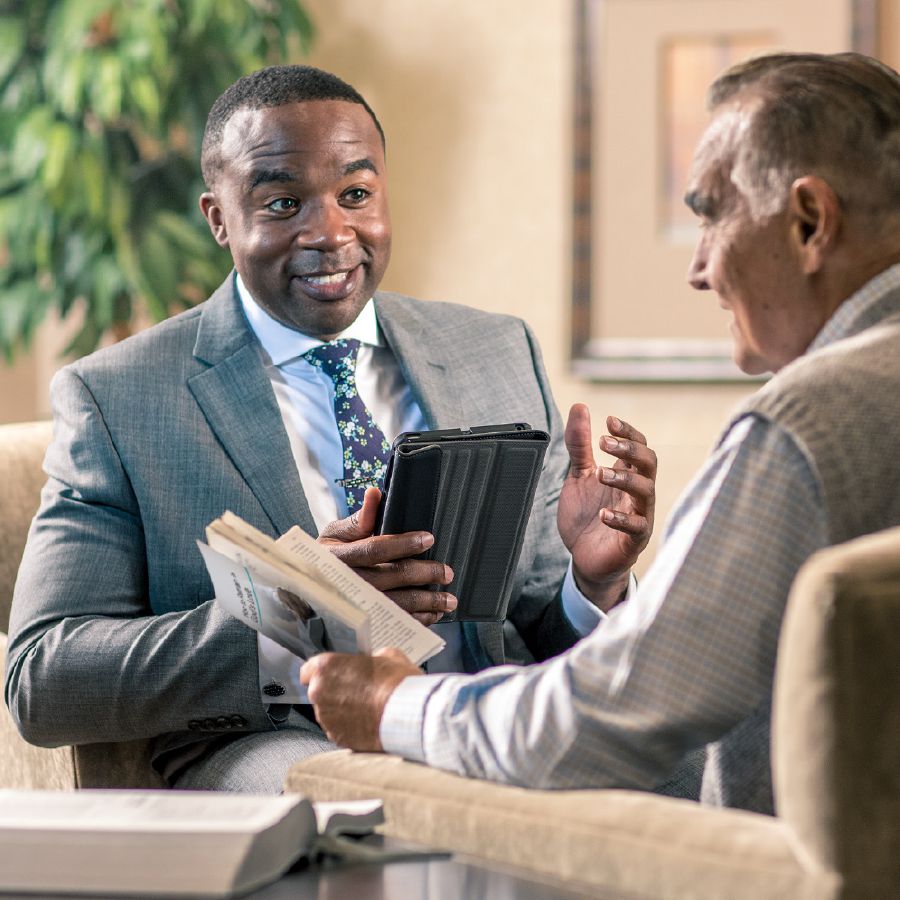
point(19, 390)
point(475, 98)
point(24, 386)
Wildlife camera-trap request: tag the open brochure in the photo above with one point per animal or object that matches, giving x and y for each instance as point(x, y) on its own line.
point(184, 843)
point(298, 593)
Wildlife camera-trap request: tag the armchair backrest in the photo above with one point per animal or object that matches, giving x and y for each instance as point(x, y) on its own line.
point(836, 725)
point(127, 764)
point(22, 449)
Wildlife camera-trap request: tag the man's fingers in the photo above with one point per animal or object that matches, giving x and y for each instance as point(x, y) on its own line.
point(621, 428)
point(367, 514)
point(642, 490)
point(407, 573)
point(382, 548)
point(357, 525)
point(578, 438)
point(312, 667)
point(426, 606)
point(428, 619)
point(624, 441)
point(632, 453)
point(634, 525)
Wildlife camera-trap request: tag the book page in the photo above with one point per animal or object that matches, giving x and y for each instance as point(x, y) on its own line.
point(242, 543)
point(143, 810)
point(348, 816)
point(299, 626)
point(391, 626)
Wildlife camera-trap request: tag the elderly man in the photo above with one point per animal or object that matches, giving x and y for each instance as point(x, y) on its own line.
point(796, 183)
point(239, 404)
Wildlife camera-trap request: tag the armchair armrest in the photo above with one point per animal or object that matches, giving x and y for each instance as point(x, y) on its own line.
point(639, 844)
point(23, 765)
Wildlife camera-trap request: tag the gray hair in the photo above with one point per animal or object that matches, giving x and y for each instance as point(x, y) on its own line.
point(834, 116)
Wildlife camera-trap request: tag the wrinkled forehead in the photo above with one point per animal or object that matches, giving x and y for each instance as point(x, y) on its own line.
point(716, 151)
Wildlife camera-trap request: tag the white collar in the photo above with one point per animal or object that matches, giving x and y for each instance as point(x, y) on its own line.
point(283, 344)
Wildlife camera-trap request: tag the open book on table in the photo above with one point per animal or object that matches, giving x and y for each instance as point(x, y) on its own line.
point(298, 593)
point(184, 843)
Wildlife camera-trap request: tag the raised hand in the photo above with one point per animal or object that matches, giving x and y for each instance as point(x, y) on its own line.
point(605, 514)
point(386, 561)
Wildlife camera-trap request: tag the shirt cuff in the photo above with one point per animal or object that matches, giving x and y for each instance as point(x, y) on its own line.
point(279, 673)
point(403, 720)
point(583, 616)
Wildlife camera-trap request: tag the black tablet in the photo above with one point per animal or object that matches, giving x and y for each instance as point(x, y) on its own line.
point(472, 488)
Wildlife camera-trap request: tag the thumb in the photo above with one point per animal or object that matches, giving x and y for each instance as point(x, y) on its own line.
point(358, 525)
point(578, 438)
point(309, 670)
point(367, 514)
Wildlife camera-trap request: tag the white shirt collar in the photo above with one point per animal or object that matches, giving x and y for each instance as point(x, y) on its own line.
point(283, 344)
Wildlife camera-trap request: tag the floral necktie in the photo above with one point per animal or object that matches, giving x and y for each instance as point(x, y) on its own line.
point(366, 449)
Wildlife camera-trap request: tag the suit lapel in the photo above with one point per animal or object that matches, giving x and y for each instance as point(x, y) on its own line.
point(425, 360)
point(426, 357)
point(238, 402)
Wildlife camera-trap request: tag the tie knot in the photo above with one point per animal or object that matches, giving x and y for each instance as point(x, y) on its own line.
point(337, 359)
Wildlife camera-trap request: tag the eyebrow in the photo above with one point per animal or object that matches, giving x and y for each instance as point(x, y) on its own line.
point(267, 176)
point(281, 176)
point(358, 165)
point(699, 204)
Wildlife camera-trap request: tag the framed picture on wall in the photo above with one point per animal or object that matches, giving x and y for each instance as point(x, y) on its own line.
point(642, 68)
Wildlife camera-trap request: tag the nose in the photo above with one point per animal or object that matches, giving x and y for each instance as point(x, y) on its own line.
point(696, 274)
point(324, 226)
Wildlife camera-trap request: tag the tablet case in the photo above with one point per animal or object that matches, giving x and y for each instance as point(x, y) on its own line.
point(472, 488)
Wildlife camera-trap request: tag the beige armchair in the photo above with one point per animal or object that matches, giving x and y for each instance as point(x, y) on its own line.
point(22, 450)
point(836, 756)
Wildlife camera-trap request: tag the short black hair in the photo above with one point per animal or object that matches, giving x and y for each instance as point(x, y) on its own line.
point(272, 86)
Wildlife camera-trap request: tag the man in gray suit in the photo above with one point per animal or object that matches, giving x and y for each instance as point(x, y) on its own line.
point(113, 633)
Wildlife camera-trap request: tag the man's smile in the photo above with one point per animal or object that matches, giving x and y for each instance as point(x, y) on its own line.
point(331, 285)
point(333, 278)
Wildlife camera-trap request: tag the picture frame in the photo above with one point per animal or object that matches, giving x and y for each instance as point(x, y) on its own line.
point(628, 242)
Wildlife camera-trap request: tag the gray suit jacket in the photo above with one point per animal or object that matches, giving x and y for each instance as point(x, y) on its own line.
point(113, 634)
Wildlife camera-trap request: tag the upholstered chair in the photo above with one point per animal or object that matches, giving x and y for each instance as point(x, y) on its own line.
point(22, 449)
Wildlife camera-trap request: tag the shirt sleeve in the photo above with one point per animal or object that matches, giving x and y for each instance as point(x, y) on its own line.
point(401, 724)
point(690, 655)
point(583, 615)
point(279, 673)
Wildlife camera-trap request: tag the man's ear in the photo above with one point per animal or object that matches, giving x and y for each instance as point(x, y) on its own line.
point(212, 212)
point(815, 220)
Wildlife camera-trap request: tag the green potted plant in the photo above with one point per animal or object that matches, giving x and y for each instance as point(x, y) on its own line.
point(102, 109)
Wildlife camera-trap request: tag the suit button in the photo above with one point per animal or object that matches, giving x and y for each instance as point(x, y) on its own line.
point(208, 725)
point(238, 721)
point(222, 722)
point(274, 689)
point(194, 725)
